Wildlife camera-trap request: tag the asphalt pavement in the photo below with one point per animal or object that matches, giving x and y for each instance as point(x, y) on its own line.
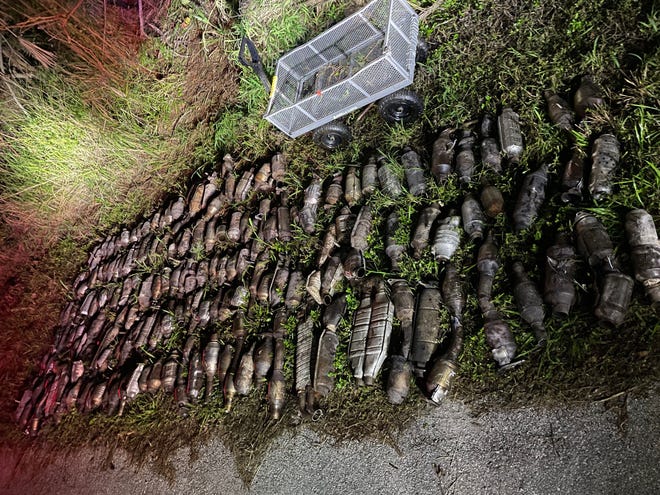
point(584, 449)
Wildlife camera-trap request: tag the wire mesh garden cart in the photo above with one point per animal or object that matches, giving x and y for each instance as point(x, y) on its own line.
point(366, 57)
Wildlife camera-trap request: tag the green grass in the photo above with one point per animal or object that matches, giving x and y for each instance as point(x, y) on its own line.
point(70, 169)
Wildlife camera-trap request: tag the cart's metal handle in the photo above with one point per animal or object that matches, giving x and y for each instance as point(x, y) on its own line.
point(255, 61)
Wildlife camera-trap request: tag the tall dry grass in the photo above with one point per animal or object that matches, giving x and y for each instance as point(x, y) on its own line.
point(80, 152)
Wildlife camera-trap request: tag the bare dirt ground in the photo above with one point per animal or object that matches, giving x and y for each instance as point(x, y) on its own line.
point(587, 449)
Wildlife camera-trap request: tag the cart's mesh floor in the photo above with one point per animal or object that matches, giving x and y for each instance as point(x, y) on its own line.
point(366, 56)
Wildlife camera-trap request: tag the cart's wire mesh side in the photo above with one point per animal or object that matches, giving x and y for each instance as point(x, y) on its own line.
point(364, 57)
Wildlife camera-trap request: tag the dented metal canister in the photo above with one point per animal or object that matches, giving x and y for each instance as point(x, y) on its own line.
point(210, 237)
point(421, 236)
point(24, 406)
point(240, 297)
point(188, 347)
point(295, 289)
point(268, 228)
point(280, 279)
point(354, 265)
point(442, 159)
point(640, 228)
point(645, 252)
point(245, 372)
point(427, 335)
point(369, 176)
point(328, 246)
point(195, 203)
point(195, 377)
point(615, 292)
point(278, 165)
point(263, 291)
point(227, 165)
point(487, 266)
point(304, 340)
point(333, 275)
point(310, 205)
point(404, 310)
point(111, 400)
point(178, 209)
point(573, 177)
point(453, 292)
point(334, 192)
point(530, 198)
point(491, 156)
point(234, 229)
point(196, 240)
point(492, 200)
point(465, 161)
point(511, 140)
point(224, 362)
point(560, 269)
point(133, 387)
point(440, 378)
point(559, 111)
point(56, 392)
point(261, 178)
point(169, 373)
point(593, 241)
point(95, 398)
point(474, 220)
point(352, 186)
point(487, 125)
point(244, 186)
point(529, 302)
point(414, 172)
point(265, 205)
point(447, 238)
point(361, 229)
point(359, 332)
point(380, 331)
point(499, 338)
point(277, 385)
point(313, 286)
point(398, 380)
point(604, 161)
point(214, 208)
point(155, 377)
point(229, 187)
point(441, 375)
point(260, 267)
point(284, 221)
point(334, 312)
point(77, 370)
point(263, 358)
point(344, 222)
point(238, 332)
point(389, 181)
point(90, 304)
point(324, 381)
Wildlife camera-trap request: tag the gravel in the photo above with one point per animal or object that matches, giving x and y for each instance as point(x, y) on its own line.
point(583, 450)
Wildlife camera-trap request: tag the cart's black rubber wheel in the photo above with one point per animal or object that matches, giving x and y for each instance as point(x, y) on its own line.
point(403, 106)
point(332, 135)
point(422, 52)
